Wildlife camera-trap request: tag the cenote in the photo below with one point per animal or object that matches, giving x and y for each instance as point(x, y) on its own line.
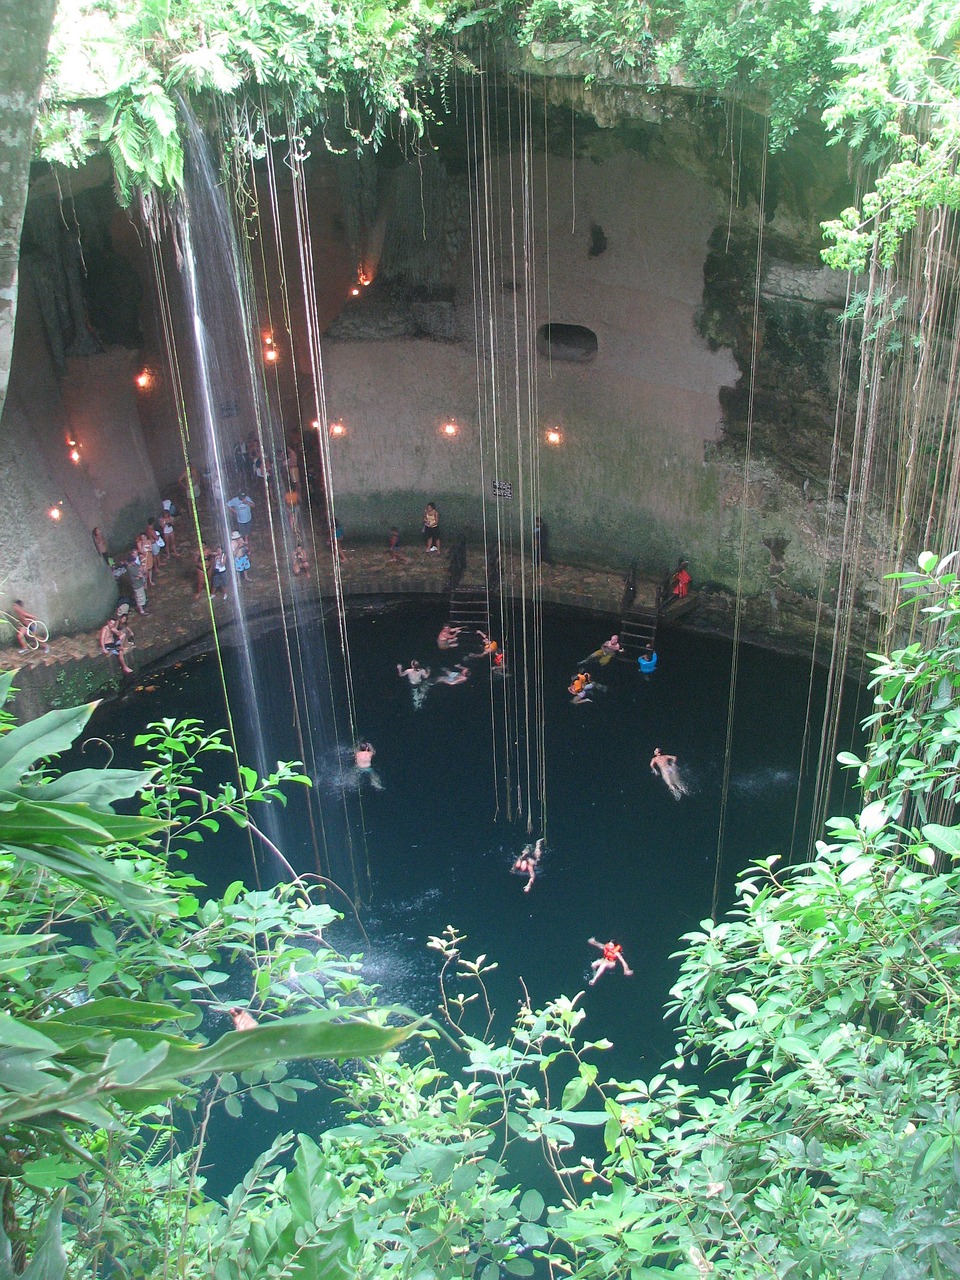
point(623, 859)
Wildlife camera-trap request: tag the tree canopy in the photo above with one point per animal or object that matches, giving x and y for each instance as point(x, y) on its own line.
point(883, 75)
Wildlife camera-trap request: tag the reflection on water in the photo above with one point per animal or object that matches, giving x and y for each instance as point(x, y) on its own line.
point(623, 860)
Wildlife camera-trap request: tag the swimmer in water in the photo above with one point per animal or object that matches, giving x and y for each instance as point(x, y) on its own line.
point(666, 766)
point(460, 676)
point(489, 649)
point(528, 864)
point(612, 956)
point(414, 673)
point(363, 761)
point(606, 651)
point(449, 637)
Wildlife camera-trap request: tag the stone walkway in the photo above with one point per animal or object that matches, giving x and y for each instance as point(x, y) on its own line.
point(74, 669)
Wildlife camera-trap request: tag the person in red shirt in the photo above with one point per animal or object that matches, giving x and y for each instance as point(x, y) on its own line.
point(612, 956)
point(680, 582)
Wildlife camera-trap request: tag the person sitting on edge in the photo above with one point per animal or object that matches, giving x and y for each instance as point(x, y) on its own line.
point(528, 863)
point(666, 766)
point(393, 547)
point(113, 642)
point(461, 674)
point(448, 637)
point(612, 956)
point(24, 619)
point(680, 582)
point(363, 755)
point(414, 673)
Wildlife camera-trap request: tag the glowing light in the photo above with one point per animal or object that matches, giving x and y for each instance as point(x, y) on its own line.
point(337, 429)
point(554, 436)
point(271, 355)
point(143, 379)
point(363, 279)
point(54, 513)
point(74, 455)
point(268, 339)
point(355, 292)
point(316, 424)
point(449, 429)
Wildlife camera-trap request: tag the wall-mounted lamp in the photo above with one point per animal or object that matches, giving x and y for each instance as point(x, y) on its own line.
point(55, 513)
point(553, 436)
point(355, 291)
point(449, 429)
point(271, 355)
point(143, 379)
point(337, 429)
point(74, 455)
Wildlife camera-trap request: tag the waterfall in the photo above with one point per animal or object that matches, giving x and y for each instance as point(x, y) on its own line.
point(291, 680)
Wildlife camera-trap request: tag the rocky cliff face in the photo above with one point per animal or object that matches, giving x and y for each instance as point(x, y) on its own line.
point(605, 271)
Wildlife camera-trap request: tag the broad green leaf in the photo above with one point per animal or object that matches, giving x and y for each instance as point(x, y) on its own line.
point(39, 739)
point(743, 1003)
point(49, 1262)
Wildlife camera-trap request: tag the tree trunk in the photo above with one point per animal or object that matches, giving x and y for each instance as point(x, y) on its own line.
point(24, 35)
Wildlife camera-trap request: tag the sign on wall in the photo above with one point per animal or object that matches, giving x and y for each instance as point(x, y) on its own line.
point(502, 489)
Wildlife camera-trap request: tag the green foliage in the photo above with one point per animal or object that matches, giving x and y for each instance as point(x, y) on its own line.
point(115, 973)
point(776, 55)
point(827, 1000)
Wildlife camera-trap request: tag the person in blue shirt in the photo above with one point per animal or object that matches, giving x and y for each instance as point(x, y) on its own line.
point(647, 662)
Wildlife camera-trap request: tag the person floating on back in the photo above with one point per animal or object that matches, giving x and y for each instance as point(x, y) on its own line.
point(666, 766)
point(612, 956)
point(606, 651)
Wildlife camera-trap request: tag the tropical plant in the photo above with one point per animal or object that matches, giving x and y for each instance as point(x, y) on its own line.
point(116, 975)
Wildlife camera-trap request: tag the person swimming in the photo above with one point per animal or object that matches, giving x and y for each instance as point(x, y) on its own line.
point(449, 637)
point(414, 673)
point(612, 956)
point(460, 676)
point(647, 662)
point(528, 863)
point(606, 651)
point(666, 766)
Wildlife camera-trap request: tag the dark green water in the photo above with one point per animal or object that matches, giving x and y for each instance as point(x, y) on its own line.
point(623, 860)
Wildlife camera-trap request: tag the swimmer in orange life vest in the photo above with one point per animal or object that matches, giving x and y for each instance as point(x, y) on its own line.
point(580, 686)
point(612, 956)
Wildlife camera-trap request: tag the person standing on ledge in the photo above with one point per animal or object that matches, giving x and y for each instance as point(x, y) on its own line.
point(242, 507)
point(431, 527)
point(680, 582)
